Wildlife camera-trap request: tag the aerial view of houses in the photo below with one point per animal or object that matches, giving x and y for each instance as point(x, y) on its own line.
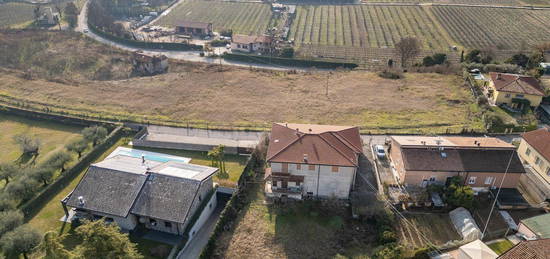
point(392, 129)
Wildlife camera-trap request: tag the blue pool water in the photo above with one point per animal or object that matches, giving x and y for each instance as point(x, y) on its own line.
point(151, 156)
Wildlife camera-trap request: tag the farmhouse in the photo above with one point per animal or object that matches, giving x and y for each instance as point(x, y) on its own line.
point(532, 249)
point(251, 44)
point(537, 227)
point(534, 151)
point(150, 193)
point(480, 161)
point(312, 160)
point(194, 28)
point(516, 91)
point(146, 64)
point(48, 17)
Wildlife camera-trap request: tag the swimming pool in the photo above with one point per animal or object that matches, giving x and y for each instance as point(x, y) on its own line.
point(153, 156)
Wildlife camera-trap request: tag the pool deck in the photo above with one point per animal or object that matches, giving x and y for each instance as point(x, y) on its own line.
point(154, 156)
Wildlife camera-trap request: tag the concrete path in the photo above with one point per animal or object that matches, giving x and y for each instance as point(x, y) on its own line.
point(194, 248)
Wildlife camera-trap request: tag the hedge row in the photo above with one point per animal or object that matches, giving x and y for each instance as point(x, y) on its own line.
point(31, 207)
point(235, 204)
point(287, 61)
point(54, 117)
point(144, 44)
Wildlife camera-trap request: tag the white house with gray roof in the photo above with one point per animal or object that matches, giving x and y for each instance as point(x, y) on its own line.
point(160, 195)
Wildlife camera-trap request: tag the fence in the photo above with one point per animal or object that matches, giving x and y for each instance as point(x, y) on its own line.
point(288, 61)
point(31, 207)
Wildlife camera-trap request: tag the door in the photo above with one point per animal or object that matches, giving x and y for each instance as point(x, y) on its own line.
point(285, 184)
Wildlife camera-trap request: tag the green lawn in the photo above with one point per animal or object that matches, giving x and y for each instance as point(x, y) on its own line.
point(501, 246)
point(51, 134)
point(234, 163)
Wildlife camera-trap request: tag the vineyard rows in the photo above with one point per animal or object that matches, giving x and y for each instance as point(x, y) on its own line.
point(366, 26)
point(243, 18)
point(15, 13)
point(367, 57)
point(475, 27)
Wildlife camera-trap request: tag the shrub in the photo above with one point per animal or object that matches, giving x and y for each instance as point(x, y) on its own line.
point(9, 220)
point(27, 144)
point(22, 188)
point(21, 240)
point(390, 74)
point(388, 251)
point(459, 195)
point(436, 59)
point(219, 43)
point(287, 52)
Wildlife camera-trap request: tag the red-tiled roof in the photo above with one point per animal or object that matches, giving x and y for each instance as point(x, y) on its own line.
point(322, 144)
point(246, 39)
point(534, 249)
point(539, 140)
point(516, 84)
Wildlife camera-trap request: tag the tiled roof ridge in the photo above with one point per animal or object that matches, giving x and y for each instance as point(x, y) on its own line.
point(338, 150)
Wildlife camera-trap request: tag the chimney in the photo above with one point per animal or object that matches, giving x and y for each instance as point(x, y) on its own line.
point(297, 132)
point(498, 76)
point(310, 130)
point(305, 158)
point(142, 159)
point(80, 201)
point(475, 142)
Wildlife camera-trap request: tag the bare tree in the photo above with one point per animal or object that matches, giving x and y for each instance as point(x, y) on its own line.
point(407, 48)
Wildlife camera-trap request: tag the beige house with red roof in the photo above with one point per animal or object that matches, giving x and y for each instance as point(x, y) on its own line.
point(480, 161)
point(312, 160)
point(514, 90)
point(251, 43)
point(534, 151)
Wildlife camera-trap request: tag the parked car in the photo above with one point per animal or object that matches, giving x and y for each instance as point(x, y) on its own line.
point(86, 31)
point(379, 150)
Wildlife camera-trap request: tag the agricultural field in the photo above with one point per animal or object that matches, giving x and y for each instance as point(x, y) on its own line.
point(475, 27)
point(15, 13)
point(418, 103)
point(367, 26)
point(53, 136)
point(242, 18)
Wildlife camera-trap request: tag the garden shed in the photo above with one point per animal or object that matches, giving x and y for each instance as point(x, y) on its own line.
point(465, 224)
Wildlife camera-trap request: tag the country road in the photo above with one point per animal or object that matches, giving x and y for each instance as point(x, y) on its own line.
point(193, 56)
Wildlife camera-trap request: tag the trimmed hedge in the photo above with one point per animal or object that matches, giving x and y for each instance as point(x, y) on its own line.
point(144, 44)
point(31, 207)
point(287, 61)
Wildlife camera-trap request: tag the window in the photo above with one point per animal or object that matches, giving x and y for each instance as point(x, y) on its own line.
point(200, 198)
point(472, 180)
point(299, 166)
point(538, 161)
point(432, 179)
point(520, 95)
point(167, 224)
point(528, 151)
point(153, 222)
point(489, 180)
point(109, 220)
point(274, 183)
point(507, 96)
point(311, 167)
point(334, 169)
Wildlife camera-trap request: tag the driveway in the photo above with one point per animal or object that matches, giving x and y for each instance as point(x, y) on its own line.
point(194, 248)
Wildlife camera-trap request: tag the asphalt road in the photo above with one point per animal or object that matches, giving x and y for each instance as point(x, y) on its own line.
point(181, 55)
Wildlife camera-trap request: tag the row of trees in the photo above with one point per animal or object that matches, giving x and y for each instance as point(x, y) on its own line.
point(99, 240)
point(22, 181)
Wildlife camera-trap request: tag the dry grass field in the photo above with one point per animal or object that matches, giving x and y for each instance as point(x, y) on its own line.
point(301, 230)
point(201, 93)
point(44, 54)
point(15, 13)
